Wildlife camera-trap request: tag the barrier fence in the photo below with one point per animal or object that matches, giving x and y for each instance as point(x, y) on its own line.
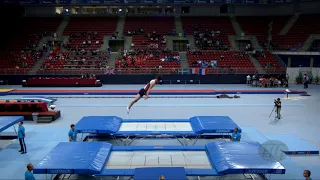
point(143, 71)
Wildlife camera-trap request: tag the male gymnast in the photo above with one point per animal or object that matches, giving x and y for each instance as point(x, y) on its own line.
point(144, 92)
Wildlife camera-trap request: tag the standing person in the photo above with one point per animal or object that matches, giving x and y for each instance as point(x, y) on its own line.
point(236, 136)
point(278, 108)
point(305, 81)
point(72, 133)
point(307, 175)
point(144, 92)
point(28, 175)
point(21, 136)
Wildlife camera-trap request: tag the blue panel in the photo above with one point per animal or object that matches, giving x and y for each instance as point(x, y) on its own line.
point(155, 133)
point(170, 173)
point(75, 158)
point(213, 124)
point(240, 158)
point(99, 124)
point(131, 172)
point(8, 121)
point(155, 120)
point(157, 148)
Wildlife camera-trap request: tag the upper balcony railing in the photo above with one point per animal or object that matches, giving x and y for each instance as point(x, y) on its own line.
point(143, 71)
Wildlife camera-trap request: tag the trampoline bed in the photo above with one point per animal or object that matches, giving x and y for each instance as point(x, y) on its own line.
point(195, 127)
point(103, 159)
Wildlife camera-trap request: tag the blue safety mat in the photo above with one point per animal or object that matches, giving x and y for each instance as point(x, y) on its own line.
point(200, 125)
point(8, 121)
point(99, 124)
point(241, 158)
point(170, 173)
point(75, 158)
point(213, 124)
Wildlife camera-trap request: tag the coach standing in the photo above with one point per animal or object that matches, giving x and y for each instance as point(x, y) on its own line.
point(236, 136)
point(72, 133)
point(21, 136)
point(28, 174)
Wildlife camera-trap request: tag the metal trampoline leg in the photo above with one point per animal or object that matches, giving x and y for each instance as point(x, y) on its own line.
point(114, 138)
point(185, 142)
point(195, 140)
point(14, 127)
point(130, 141)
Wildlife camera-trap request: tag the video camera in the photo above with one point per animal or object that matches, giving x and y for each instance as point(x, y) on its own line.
point(276, 101)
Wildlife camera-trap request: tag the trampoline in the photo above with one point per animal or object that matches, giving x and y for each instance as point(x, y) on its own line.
point(131, 129)
point(174, 162)
point(6, 122)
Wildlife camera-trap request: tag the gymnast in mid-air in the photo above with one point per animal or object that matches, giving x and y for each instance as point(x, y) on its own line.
point(144, 92)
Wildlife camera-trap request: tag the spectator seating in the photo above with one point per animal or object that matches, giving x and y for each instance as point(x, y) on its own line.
point(82, 29)
point(259, 26)
point(26, 109)
point(268, 58)
point(269, 62)
point(221, 24)
point(149, 61)
point(17, 62)
point(161, 25)
point(31, 30)
point(229, 61)
point(63, 82)
point(77, 60)
point(299, 33)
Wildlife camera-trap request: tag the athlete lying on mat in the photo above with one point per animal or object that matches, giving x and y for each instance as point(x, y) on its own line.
point(144, 92)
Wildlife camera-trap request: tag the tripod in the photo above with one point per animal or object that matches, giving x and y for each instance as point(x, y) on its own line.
point(274, 110)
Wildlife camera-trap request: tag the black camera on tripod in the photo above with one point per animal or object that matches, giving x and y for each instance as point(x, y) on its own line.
point(277, 101)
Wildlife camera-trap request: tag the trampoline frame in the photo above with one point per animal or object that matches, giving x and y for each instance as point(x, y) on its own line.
point(13, 124)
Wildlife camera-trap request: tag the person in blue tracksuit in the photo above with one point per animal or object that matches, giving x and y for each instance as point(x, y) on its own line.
point(307, 174)
point(236, 136)
point(72, 133)
point(21, 136)
point(28, 175)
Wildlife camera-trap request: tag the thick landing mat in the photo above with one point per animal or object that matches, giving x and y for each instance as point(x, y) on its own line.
point(241, 158)
point(75, 158)
point(154, 92)
point(8, 121)
point(112, 124)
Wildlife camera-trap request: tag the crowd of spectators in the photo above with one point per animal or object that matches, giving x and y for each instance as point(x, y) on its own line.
point(78, 59)
point(208, 39)
point(84, 40)
point(154, 40)
point(137, 58)
point(26, 59)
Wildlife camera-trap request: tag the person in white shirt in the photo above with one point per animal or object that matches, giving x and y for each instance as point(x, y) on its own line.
point(248, 79)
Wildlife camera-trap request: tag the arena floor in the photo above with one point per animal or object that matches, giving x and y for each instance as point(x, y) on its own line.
point(300, 118)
